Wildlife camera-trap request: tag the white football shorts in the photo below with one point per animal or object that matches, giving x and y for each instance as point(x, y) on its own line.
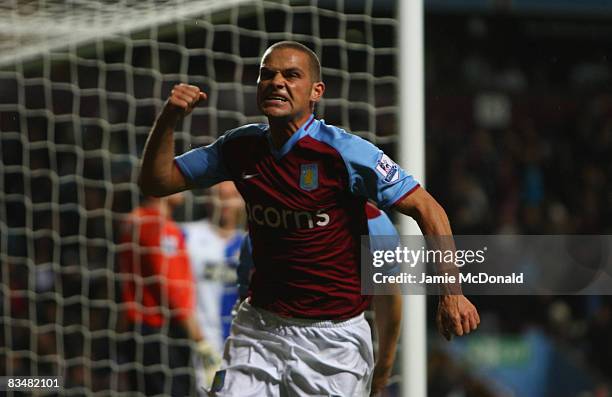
point(271, 356)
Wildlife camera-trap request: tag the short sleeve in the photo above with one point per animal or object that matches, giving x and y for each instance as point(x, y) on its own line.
point(381, 226)
point(204, 166)
point(384, 237)
point(372, 174)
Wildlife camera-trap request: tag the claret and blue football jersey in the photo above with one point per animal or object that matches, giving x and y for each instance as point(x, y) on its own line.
point(382, 234)
point(305, 209)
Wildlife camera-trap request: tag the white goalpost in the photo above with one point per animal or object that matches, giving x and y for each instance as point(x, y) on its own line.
point(412, 157)
point(80, 84)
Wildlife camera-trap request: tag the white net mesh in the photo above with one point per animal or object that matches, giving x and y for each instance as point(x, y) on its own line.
point(80, 84)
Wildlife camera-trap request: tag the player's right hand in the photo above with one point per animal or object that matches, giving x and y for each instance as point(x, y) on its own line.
point(456, 316)
point(184, 98)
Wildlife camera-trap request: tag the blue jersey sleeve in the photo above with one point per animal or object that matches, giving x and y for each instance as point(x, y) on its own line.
point(245, 265)
point(384, 237)
point(374, 175)
point(204, 166)
point(382, 226)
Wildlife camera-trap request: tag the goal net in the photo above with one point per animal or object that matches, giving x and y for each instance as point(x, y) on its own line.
point(80, 85)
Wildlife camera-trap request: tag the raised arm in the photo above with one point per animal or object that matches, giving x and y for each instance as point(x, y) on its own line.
point(456, 314)
point(158, 175)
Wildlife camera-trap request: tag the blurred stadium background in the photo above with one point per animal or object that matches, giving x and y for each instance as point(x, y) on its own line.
point(518, 140)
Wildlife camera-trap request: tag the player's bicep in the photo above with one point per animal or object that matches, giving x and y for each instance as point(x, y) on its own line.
point(428, 213)
point(417, 203)
point(414, 203)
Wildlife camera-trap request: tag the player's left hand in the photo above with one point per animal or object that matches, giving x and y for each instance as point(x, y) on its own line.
point(456, 316)
point(380, 378)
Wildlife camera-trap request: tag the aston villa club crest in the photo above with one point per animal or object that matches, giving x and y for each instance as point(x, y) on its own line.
point(309, 177)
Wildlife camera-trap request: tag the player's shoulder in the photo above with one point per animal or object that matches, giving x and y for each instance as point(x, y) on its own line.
point(339, 138)
point(327, 132)
point(346, 143)
point(248, 130)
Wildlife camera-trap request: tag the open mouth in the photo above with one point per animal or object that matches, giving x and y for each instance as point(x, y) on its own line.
point(276, 98)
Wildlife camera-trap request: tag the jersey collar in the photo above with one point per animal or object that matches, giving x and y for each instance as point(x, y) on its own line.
point(304, 130)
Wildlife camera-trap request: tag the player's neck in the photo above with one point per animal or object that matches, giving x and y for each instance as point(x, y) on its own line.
point(282, 129)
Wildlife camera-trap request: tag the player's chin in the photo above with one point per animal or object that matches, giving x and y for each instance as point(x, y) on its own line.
point(274, 111)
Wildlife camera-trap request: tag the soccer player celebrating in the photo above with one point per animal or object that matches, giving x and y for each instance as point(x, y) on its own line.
point(305, 184)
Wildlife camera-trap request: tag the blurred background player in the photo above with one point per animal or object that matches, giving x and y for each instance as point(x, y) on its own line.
point(159, 298)
point(213, 247)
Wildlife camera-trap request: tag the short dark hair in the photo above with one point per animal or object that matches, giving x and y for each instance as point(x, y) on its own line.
point(313, 60)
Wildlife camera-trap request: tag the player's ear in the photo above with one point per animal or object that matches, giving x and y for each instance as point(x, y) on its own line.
point(316, 93)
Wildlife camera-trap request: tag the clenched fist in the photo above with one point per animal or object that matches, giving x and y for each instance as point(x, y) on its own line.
point(184, 98)
point(456, 316)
